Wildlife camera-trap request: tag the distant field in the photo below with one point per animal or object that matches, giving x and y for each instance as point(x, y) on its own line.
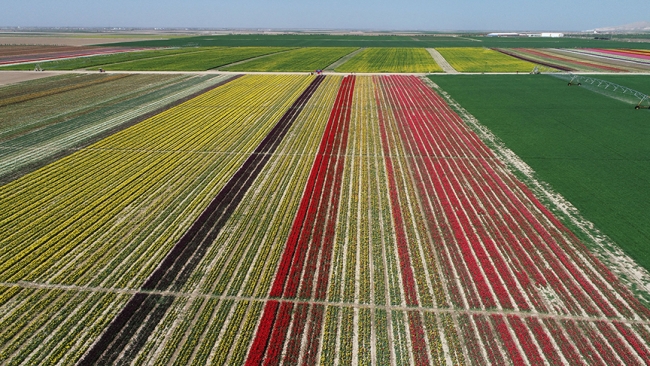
point(476, 59)
point(424, 41)
point(592, 149)
point(205, 59)
point(302, 59)
point(391, 60)
point(99, 60)
point(595, 59)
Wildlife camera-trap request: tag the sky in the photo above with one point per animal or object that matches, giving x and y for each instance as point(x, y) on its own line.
point(424, 15)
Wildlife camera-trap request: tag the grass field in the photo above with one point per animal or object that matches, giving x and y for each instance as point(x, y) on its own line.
point(636, 82)
point(391, 60)
point(592, 149)
point(424, 41)
point(302, 59)
point(475, 59)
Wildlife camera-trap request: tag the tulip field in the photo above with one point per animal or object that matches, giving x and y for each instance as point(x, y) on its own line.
point(391, 60)
point(300, 219)
point(588, 59)
point(473, 59)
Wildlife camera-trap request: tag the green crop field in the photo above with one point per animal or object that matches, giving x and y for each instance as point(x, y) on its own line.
point(475, 59)
point(206, 59)
point(592, 149)
point(302, 59)
point(391, 60)
point(99, 60)
point(424, 41)
point(636, 82)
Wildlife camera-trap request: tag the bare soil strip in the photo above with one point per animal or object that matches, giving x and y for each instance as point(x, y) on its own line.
point(135, 322)
point(13, 77)
point(440, 59)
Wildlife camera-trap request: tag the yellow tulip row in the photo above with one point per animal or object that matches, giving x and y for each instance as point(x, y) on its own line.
point(246, 333)
point(84, 324)
point(220, 351)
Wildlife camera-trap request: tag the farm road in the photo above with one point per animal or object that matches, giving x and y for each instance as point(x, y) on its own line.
point(12, 77)
point(343, 59)
point(342, 304)
point(442, 61)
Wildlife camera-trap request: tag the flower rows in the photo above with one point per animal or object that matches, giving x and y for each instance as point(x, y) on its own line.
point(502, 244)
point(311, 234)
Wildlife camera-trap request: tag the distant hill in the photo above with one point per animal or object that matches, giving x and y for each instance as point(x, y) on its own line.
point(632, 27)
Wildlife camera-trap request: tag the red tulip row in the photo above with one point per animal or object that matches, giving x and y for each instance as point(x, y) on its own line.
point(634, 341)
point(525, 340)
point(568, 350)
point(414, 132)
point(489, 340)
point(408, 280)
point(601, 344)
point(383, 97)
point(542, 337)
point(299, 320)
point(511, 347)
point(471, 337)
point(622, 346)
point(417, 338)
point(312, 234)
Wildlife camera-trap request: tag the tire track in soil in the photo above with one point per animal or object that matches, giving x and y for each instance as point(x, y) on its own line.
point(129, 330)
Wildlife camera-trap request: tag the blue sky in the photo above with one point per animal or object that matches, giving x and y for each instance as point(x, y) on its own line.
point(333, 14)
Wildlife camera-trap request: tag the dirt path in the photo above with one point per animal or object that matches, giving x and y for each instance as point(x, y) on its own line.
point(12, 77)
point(446, 67)
point(442, 310)
point(343, 60)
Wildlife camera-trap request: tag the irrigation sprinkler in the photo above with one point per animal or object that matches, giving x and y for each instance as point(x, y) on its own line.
point(638, 99)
